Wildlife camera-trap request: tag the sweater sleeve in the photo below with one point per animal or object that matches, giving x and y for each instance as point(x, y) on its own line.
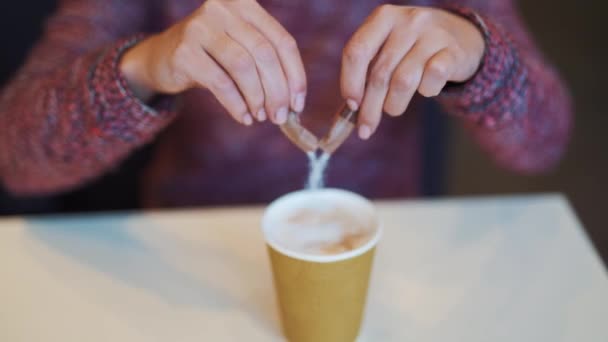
point(516, 106)
point(68, 116)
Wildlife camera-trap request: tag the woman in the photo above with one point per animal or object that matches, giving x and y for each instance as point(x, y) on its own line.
point(111, 76)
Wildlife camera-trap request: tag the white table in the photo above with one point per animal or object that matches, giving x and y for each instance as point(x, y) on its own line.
point(487, 269)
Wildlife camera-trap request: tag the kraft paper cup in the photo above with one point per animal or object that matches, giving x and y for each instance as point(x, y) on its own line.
point(321, 297)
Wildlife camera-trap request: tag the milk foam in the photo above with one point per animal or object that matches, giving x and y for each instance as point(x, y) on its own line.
point(322, 222)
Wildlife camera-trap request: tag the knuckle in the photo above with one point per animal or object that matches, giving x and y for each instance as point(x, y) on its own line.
point(177, 77)
point(438, 69)
point(177, 69)
point(181, 55)
point(263, 51)
point(240, 62)
point(355, 51)
point(210, 5)
point(287, 42)
point(222, 83)
point(419, 16)
point(403, 82)
point(193, 28)
point(383, 9)
point(175, 81)
point(457, 54)
point(211, 10)
point(380, 76)
point(444, 37)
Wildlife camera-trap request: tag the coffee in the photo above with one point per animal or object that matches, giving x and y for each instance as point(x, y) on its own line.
point(320, 225)
point(321, 245)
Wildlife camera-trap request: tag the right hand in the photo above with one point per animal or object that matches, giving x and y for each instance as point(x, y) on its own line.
point(233, 48)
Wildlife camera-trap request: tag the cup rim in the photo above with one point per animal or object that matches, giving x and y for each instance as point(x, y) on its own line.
point(315, 257)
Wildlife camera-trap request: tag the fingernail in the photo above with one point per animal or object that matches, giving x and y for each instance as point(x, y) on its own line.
point(298, 105)
point(365, 132)
point(282, 115)
point(352, 104)
point(262, 115)
point(247, 120)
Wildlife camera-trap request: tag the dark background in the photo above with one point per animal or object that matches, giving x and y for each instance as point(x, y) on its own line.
point(572, 36)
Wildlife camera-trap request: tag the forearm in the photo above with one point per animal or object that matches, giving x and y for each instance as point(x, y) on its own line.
point(71, 124)
point(516, 106)
point(535, 137)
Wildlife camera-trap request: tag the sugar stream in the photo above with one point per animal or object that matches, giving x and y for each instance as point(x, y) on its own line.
point(318, 165)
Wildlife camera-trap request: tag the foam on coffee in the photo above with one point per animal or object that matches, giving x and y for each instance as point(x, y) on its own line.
point(321, 222)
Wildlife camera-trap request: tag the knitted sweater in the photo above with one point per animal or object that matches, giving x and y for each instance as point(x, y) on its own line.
point(68, 115)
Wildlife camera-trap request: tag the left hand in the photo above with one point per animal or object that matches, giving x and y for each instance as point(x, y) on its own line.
point(400, 50)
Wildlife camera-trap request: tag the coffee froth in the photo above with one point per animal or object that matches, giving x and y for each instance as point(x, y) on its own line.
point(322, 225)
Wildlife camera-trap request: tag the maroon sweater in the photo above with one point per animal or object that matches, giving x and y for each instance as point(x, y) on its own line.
point(68, 116)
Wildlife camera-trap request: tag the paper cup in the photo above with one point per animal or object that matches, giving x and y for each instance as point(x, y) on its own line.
point(321, 297)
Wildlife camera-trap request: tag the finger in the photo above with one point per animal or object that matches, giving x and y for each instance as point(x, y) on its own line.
point(395, 48)
point(239, 65)
point(360, 51)
point(268, 66)
point(287, 50)
point(408, 75)
point(436, 73)
point(208, 74)
point(371, 111)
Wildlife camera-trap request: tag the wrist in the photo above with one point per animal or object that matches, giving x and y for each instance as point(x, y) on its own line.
point(134, 68)
point(480, 35)
point(501, 77)
point(470, 36)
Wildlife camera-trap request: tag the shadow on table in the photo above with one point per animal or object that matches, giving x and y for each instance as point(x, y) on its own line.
point(106, 245)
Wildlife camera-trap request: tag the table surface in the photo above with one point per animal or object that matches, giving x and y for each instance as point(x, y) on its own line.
point(480, 269)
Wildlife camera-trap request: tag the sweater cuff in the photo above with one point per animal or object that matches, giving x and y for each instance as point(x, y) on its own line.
point(494, 95)
point(119, 111)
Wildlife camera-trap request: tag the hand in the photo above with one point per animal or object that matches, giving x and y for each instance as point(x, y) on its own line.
point(233, 48)
point(400, 50)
